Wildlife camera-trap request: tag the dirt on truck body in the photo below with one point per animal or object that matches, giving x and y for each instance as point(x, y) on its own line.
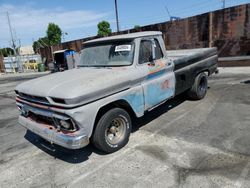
point(117, 77)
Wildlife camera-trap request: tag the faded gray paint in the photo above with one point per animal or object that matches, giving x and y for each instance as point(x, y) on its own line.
point(126, 36)
point(86, 90)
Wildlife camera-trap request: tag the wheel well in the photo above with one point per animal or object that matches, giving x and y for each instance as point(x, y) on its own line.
point(196, 74)
point(205, 71)
point(116, 104)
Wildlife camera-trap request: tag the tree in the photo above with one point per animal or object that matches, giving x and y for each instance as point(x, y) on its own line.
point(103, 29)
point(44, 41)
point(35, 46)
point(137, 27)
point(40, 43)
point(6, 52)
point(54, 34)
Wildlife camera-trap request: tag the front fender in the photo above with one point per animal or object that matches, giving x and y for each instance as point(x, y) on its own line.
point(85, 115)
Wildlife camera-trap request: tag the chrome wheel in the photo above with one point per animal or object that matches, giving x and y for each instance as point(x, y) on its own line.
point(112, 130)
point(116, 131)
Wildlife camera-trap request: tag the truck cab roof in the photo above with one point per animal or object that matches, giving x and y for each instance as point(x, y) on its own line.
point(125, 36)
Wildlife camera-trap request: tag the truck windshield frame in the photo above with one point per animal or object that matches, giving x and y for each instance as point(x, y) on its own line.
point(108, 54)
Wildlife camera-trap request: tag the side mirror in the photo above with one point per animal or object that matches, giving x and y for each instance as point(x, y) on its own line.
point(151, 61)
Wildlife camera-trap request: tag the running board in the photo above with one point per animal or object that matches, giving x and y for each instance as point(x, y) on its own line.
point(152, 108)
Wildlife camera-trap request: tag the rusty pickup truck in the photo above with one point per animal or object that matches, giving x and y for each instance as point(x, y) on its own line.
point(117, 77)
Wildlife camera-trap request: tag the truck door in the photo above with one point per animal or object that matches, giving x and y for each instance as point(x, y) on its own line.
point(159, 81)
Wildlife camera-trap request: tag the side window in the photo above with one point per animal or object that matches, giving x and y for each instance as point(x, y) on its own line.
point(158, 52)
point(145, 53)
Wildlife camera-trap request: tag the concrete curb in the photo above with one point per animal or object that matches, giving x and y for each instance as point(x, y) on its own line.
point(19, 76)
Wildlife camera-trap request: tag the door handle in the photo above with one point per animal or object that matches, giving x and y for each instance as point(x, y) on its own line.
point(151, 64)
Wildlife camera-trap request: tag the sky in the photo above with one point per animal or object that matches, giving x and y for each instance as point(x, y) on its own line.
point(79, 18)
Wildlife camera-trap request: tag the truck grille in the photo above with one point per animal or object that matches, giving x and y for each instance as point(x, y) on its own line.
point(32, 98)
point(41, 119)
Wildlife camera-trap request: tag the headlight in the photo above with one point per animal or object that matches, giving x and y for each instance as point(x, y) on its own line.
point(65, 124)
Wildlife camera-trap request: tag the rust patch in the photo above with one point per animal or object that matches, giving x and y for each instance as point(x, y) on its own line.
point(165, 85)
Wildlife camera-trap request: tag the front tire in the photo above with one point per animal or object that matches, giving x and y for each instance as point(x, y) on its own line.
point(112, 130)
point(199, 88)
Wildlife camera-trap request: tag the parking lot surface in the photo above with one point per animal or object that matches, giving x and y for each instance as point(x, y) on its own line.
point(182, 143)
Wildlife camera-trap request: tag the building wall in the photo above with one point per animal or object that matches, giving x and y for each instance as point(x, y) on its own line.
point(26, 50)
point(227, 29)
point(232, 31)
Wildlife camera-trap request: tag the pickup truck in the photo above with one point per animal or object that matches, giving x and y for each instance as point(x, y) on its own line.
point(118, 77)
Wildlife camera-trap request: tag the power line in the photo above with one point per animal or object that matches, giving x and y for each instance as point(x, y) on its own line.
point(197, 7)
point(11, 33)
point(192, 8)
point(171, 17)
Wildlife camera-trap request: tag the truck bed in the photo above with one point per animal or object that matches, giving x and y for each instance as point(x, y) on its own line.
point(188, 63)
point(183, 58)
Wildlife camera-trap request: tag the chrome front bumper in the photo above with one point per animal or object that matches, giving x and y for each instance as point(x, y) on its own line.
point(70, 141)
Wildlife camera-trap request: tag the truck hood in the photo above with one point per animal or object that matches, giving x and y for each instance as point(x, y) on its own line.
point(80, 85)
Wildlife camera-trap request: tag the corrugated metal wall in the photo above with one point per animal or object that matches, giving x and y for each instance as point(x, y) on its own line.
point(227, 29)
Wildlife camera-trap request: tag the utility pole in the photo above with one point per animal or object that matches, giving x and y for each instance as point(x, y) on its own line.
point(210, 29)
point(19, 64)
point(11, 34)
point(223, 4)
point(172, 18)
point(116, 15)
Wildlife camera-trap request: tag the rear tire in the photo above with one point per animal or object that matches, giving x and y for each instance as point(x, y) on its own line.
point(112, 130)
point(199, 89)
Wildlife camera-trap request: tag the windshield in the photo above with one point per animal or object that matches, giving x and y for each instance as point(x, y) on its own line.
point(108, 54)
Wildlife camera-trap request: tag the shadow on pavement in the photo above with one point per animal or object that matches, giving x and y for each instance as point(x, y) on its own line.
point(246, 82)
point(64, 154)
point(157, 112)
point(81, 155)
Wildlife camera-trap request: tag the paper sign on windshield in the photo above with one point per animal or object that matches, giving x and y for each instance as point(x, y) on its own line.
point(122, 48)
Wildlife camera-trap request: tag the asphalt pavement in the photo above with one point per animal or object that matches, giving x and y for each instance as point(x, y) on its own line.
point(182, 143)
